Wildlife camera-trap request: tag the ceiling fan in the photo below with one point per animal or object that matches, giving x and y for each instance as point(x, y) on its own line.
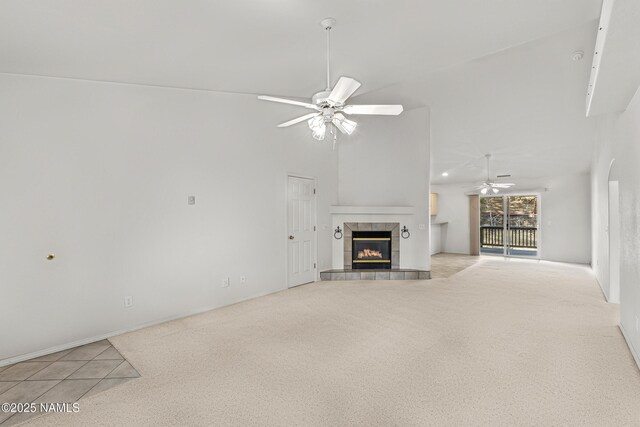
point(489, 184)
point(329, 106)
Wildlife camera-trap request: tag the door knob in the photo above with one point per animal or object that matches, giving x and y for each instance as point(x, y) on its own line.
point(291, 237)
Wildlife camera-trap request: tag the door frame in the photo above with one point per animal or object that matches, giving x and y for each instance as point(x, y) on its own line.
point(286, 225)
point(614, 236)
point(614, 286)
point(538, 220)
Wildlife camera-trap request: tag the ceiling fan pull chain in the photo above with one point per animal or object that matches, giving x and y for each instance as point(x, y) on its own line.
point(335, 136)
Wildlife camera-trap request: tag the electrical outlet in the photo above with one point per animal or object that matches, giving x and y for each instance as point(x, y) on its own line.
point(226, 282)
point(128, 301)
point(191, 200)
point(243, 279)
point(421, 226)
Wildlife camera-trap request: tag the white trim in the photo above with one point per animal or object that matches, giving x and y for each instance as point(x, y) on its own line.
point(595, 276)
point(73, 344)
point(634, 353)
point(610, 294)
point(371, 210)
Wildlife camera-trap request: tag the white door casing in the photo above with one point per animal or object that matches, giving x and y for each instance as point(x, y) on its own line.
point(614, 242)
point(301, 233)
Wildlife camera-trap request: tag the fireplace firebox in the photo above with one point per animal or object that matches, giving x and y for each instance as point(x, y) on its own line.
point(371, 250)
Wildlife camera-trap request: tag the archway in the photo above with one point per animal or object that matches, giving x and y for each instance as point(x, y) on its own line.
point(613, 233)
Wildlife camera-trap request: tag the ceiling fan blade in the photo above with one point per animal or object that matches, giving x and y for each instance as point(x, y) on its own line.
point(502, 185)
point(383, 110)
point(345, 87)
point(298, 120)
point(288, 101)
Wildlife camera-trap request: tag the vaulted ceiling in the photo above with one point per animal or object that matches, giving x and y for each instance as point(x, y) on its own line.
point(523, 105)
point(496, 73)
point(267, 46)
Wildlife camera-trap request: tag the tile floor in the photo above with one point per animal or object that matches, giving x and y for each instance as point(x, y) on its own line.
point(444, 265)
point(63, 377)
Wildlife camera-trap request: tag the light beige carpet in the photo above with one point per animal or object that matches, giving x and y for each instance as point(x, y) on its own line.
point(500, 343)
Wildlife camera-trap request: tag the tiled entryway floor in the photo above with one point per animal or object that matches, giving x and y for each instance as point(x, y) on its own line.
point(63, 377)
point(444, 265)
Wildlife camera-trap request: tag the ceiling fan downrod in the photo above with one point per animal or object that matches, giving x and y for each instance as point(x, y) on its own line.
point(488, 156)
point(328, 24)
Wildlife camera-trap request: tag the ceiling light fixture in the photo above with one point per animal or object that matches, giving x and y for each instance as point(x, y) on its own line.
point(490, 184)
point(330, 106)
point(445, 173)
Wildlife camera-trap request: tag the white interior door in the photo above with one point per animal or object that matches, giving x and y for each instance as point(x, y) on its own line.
point(301, 230)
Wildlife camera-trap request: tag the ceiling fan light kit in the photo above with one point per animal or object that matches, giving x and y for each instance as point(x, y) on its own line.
point(329, 105)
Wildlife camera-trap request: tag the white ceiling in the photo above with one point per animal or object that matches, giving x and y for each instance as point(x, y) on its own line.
point(496, 73)
point(524, 105)
point(267, 46)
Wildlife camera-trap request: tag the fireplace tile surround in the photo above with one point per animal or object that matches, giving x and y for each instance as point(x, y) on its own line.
point(350, 227)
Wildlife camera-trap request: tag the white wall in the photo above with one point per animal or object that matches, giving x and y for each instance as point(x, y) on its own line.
point(565, 209)
point(619, 139)
point(566, 219)
point(436, 238)
point(99, 174)
point(386, 163)
point(453, 208)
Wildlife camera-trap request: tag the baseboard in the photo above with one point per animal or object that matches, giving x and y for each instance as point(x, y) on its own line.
point(634, 353)
point(604, 294)
point(595, 276)
point(66, 346)
point(55, 349)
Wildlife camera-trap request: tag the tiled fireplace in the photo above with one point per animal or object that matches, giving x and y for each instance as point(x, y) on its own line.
point(371, 251)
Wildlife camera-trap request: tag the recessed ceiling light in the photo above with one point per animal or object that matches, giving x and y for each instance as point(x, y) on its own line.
point(445, 173)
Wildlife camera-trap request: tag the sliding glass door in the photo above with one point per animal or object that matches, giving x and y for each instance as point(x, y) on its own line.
point(509, 225)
